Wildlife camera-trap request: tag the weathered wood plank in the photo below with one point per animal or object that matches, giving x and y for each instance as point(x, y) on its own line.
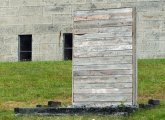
point(101, 72)
point(101, 30)
point(134, 66)
point(103, 60)
point(103, 41)
point(101, 48)
point(115, 23)
point(103, 90)
point(102, 85)
point(112, 33)
point(103, 23)
point(103, 53)
point(102, 67)
point(123, 31)
point(102, 12)
point(102, 97)
point(102, 103)
point(80, 32)
point(111, 16)
point(83, 38)
point(103, 79)
point(109, 31)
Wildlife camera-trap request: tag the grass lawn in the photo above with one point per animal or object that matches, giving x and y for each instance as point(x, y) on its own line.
point(25, 84)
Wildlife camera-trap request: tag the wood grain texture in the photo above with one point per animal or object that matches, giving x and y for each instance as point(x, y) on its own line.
point(102, 23)
point(110, 31)
point(110, 16)
point(103, 86)
point(103, 67)
point(101, 72)
point(107, 79)
point(101, 48)
point(110, 53)
point(102, 97)
point(103, 57)
point(80, 32)
point(103, 60)
point(134, 66)
point(102, 103)
point(103, 41)
point(103, 90)
point(86, 13)
point(100, 37)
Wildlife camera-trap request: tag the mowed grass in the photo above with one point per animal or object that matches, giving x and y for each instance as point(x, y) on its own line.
point(25, 84)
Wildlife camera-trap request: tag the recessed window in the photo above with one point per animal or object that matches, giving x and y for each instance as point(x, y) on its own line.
point(68, 41)
point(25, 47)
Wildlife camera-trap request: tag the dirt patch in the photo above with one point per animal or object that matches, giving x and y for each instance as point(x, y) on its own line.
point(12, 104)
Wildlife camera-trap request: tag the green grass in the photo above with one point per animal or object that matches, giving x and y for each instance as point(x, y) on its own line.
point(25, 84)
point(29, 83)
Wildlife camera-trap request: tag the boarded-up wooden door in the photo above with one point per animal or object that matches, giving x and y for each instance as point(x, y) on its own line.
point(104, 59)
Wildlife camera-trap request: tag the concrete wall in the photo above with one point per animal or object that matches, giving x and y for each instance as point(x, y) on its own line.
point(46, 20)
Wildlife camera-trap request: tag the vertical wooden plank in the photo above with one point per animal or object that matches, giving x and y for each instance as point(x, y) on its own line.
point(72, 70)
point(134, 77)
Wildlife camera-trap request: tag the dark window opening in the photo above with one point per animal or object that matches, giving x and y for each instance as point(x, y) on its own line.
point(25, 47)
point(68, 41)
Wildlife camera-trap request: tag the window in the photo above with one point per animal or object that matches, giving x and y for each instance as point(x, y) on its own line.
point(68, 41)
point(25, 47)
